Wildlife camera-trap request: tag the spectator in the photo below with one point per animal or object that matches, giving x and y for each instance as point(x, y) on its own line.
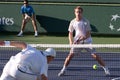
point(28, 14)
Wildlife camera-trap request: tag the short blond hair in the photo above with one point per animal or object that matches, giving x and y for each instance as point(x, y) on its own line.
point(79, 7)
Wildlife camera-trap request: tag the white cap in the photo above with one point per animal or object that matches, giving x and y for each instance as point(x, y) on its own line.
point(50, 52)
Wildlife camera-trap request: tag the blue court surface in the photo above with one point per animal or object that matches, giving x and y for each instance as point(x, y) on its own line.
point(80, 67)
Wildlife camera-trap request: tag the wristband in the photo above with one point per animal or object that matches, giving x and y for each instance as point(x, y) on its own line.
point(7, 43)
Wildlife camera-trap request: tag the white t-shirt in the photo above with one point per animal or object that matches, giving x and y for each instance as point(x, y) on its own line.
point(80, 27)
point(33, 60)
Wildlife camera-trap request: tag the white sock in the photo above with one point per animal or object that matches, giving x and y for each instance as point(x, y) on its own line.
point(35, 31)
point(21, 31)
point(63, 69)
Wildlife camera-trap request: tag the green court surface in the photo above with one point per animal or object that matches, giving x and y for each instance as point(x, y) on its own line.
point(56, 39)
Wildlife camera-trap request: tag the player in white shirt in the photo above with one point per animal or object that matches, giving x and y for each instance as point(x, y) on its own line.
point(29, 64)
point(82, 29)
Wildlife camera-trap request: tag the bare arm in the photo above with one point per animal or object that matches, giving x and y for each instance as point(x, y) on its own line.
point(87, 35)
point(14, 43)
point(70, 37)
point(33, 16)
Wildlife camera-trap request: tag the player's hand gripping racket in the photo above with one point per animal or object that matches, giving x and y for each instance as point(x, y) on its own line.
point(79, 40)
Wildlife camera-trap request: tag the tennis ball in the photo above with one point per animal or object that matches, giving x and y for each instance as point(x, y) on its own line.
point(95, 66)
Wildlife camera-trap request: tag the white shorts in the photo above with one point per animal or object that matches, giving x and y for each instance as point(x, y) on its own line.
point(11, 72)
point(79, 50)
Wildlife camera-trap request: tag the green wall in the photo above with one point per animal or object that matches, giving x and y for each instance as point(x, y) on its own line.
point(102, 1)
point(55, 18)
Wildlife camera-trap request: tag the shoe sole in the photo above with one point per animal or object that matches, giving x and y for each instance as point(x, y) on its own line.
point(20, 36)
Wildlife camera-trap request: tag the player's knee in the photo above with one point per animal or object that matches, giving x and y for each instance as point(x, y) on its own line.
point(24, 21)
point(94, 56)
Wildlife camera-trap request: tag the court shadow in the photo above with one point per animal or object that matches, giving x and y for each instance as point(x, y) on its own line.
point(2, 28)
point(93, 27)
point(53, 25)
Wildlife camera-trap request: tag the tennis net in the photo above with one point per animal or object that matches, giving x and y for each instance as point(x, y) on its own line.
point(109, 52)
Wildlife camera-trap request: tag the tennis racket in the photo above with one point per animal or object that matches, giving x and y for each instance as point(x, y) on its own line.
point(79, 40)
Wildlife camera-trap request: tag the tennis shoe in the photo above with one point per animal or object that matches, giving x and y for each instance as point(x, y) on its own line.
point(107, 72)
point(20, 34)
point(36, 34)
point(61, 73)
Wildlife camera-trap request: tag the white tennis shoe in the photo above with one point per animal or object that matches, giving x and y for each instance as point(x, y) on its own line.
point(20, 34)
point(36, 34)
point(61, 73)
point(107, 72)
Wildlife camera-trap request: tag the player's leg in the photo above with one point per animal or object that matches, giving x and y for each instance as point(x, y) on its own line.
point(34, 26)
point(24, 22)
point(73, 51)
point(99, 60)
point(66, 63)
